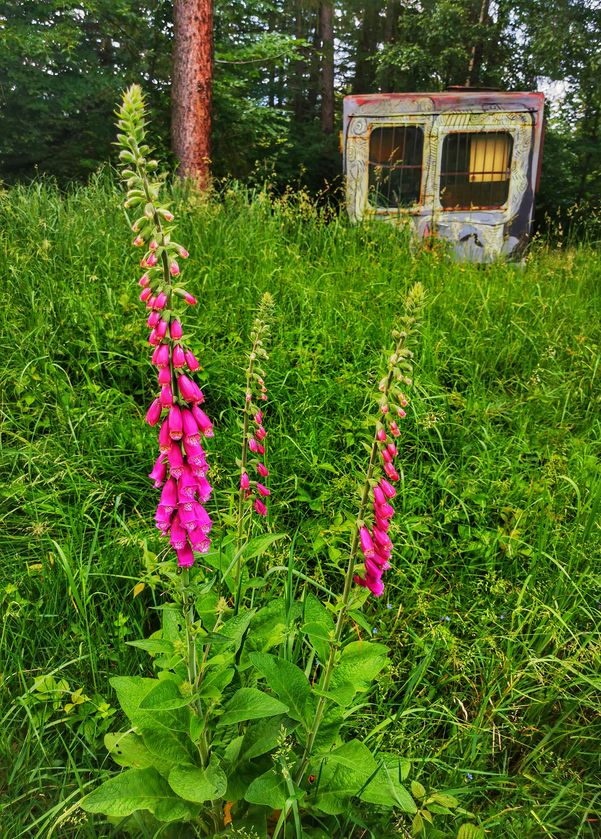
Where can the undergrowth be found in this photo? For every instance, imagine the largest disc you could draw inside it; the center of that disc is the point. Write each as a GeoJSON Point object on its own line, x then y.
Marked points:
{"type": "Point", "coordinates": [493, 604]}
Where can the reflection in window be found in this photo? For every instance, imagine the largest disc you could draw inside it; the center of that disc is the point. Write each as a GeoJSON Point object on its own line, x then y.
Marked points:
{"type": "Point", "coordinates": [395, 166]}
{"type": "Point", "coordinates": [475, 170]}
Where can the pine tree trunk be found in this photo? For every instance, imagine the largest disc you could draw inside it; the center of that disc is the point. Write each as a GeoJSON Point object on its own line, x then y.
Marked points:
{"type": "Point", "coordinates": [326, 25]}
{"type": "Point", "coordinates": [369, 36]}
{"type": "Point", "coordinates": [192, 88]}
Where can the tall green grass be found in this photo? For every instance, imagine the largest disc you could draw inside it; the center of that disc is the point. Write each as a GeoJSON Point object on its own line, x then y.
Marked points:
{"type": "Point", "coordinates": [493, 607]}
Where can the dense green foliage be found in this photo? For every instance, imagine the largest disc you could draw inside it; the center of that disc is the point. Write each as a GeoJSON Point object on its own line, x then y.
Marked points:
{"type": "Point", "coordinates": [492, 609]}
{"type": "Point", "coordinates": [63, 63]}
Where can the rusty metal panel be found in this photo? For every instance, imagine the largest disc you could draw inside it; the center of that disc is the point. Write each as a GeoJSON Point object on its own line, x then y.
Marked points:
{"type": "Point", "coordinates": [460, 165]}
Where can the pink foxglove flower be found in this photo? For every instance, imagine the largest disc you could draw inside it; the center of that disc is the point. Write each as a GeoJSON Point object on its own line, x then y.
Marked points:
{"type": "Point", "coordinates": [190, 299]}
{"type": "Point", "coordinates": [179, 356]}
{"type": "Point", "coordinates": [191, 361]}
{"type": "Point", "coordinates": [180, 470]}
{"type": "Point", "coordinates": [153, 414]}
{"type": "Point", "coordinates": [260, 508]}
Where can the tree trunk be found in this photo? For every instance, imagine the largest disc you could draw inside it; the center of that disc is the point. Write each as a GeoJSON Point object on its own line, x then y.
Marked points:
{"type": "Point", "coordinates": [369, 35]}
{"type": "Point", "coordinates": [393, 11]}
{"type": "Point", "coordinates": [326, 25]}
{"type": "Point", "coordinates": [473, 70]}
{"type": "Point", "coordinates": [192, 88]}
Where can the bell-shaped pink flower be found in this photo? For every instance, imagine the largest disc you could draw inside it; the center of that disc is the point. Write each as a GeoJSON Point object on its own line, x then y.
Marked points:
{"type": "Point", "coordinates": [402, 413]}
{"type": "Point", "coordinates": [253, 445]}
{"type": "Point", "coordinates": [159, 471]}
{"type": "Point", "coordinates": [160, 302]}
{"type": "Point", "coordinates": [174, 268]}
{"type": "Point", "coordinates": [244, 481]}
{"type": "Point", "coordinates": [260, 508]}
{"type": "Point", "coordinates": [381, 435]}
{"type": "Point", "coordinates": [186, 486]}
{"type": "Point", "coordinates": [179, 356]}
{"type": "Point", "coordinates": [150, 261]}
{"type": "Point", "coordinates": [164, 377]}
{"type": "Point", "coordinates": [153, 414]}
{"type": "Point", "coordinates": [366, 542]}
{"type": "Point", "coordinates": [153, 319]}
{"type": "Point", "coordinates": [185, 557]}
{"type": "Point", "coordinates": [153, 338]}
{"type": "Point", "coordinates": [262, 490]}
{"type": "Point", "coordinates": [191, 361]}
{"type": "Point", "coordinates": [259, 417]}
{"type": "Point", "coordinates": [144, 280]}
{"type": "Point", "coordinates": [182, 252]}
{"type": "Point", "coordinates": [260, 433]}
{"type": "Point", "coordinates": [394, 429]}
{"type": "Point", "coordinates": [138, 242]}
{"type": "Point", "coordinates": [161, 328]}
{"type": "Point", "coordinates": [175, 422]}
{"type": "Point", "coordinates": [190, 299]}
{"type": "Point", "coordinates": [169, 495]}
{"type": "Point", "coordinates": [164, 438]}
{"type": "Point", "coordinates": [391, 472]}
{"type": "Point", "coordinates": [189, 389]}
{"type": "Point", "coordinates": [160, 356]}
{"type": "Point", "coordinates": [163, 518]}
{"type": "Point", "coordinates": [177, 534]}
{"type": "Point", "coordinates": [166, 396]}
{"type": "Point", "coordinates": [176, 461]}
{"type": "Point", "coordinates": [204, 423]}
{"type": "Point", "coordinates": [387, 488]}
{"type": "Point", "coordinates": [262, 470]}
{"type": "Point", "coordinates": [204, 489]}
{"type": "Point", "coordinates": [176, 331]}
{"type": "Point", "coordinates": [145, 294]}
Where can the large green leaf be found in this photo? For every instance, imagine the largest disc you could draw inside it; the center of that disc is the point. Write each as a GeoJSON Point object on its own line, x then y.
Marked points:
{"type": "Point", "coordinates": [165, 696]}
{"type": "Point", "coordinates": [262, 737]}
{"type": "Point", "coordinates": [359, 664]}
{"type": "Point", "coordinates": [128, 749]}
{"type": "Point", "coordinates": [131, 690]}
{"type": "Point", "coordinates": [342, 774]}
{"type": "Point", "coordinates": [268, 789]}
{"type": "Point", "coordinates": [138, 789]}
{"type": "Point", "coordinates": [287, 681]}
{"type": "Point", "coordinates": [250, 704]}
{"type": "Point", "coordinates": [199, 785]}
{"type": "Point", "coordinates": [385, 787]}
{"type": "Point", "coordinates": [235, 628]}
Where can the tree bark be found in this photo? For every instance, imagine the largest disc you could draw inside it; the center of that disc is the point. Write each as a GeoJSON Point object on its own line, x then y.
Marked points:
{"type": "Point", "coordinates": [473, 70]}
{"type": "Point", "coordinates": [326, 25]}
{"type": "Point", "coordinates": [369, 35]}
{"type": "Point", "coordinates": [192, 88]}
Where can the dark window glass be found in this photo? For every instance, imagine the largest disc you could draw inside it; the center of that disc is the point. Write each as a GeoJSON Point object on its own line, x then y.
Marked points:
{"type": "Point", "coordinates": [475, 170]}
{"type": "Point", "coordinates": [395, 166]}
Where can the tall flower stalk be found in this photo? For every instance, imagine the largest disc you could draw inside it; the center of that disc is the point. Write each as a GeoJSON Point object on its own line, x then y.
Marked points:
{"type": "Point", "coordinates": [181, 467]}
{"type": "Point", "coordinates": [252, 492]}
{"type": "Point", "coordinates": [374, 543]}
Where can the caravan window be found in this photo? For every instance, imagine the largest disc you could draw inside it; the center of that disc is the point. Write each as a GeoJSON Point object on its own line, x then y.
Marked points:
{"type": "Point", "coordinates": [395, 166]}
{"type": "Point", "coordinates": [475, 170]}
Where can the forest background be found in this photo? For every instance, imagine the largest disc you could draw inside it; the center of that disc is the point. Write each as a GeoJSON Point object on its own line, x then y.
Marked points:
{"type": "Point", "coordinates": [281, 69]}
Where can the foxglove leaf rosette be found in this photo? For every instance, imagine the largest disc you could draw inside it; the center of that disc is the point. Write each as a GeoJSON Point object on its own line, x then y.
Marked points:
{"type": "Point", "coordinates": [181, 468]}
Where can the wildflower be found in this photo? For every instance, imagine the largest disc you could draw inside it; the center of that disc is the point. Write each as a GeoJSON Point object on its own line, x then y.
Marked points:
{"type": "Point", "coordinates": [374, 542]}
{"type": "Point", "coordinates": [181, 467]}
{"type": "Point", "coordinates": [260, 508]}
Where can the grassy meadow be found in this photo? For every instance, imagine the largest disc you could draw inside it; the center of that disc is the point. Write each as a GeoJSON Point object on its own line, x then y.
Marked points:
{"type": "Point", "coordinates": [493, 606]}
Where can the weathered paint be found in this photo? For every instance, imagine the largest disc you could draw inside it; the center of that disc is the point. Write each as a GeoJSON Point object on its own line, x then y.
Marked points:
{"type": "Point", "coordinates": [477, 234]}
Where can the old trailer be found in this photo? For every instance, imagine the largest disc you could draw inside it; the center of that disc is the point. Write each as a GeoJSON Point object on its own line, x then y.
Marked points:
{"type": "Point", "coordinates": [462, 166]}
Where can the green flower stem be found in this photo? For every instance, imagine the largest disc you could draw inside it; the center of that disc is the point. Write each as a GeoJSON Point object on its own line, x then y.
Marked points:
{"type": "Point", "coordinates": [191, 660]}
